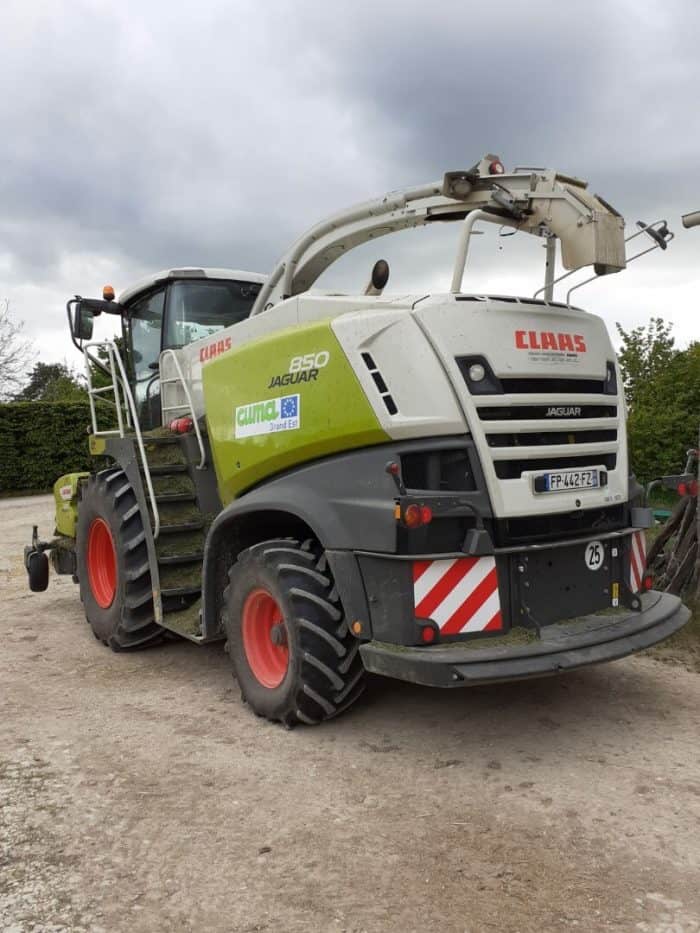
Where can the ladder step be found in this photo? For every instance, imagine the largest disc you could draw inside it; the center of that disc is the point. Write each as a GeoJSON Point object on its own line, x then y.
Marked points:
{"type": "Point", "coordinates": [181, 591]}
{"type": "Point", "coordinates": [161, 440]}
{"type": "Point", "coordinates": [179, 512]}
{"type": "Point", "coordinates": [185, 622]}
{"type": "Point", "coordinates": [175, 497]}
{"type": "Point", "coordinates": [165, 456]}
{"type": "Point", "coordinates": [187, 547]}
{"type": "Point", "coordinates": [164, 469]}
{"type": "Point", "coordinates": [177, 579]}
{"type": "Point", "coordinates": [183, 526]}
{"type": "Point", "coordinates": [177, 483]}
{"type": "Point", "coordinates": [174, 560]}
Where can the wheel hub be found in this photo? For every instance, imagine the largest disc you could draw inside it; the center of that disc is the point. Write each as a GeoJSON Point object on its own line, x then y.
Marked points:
{"type": "Point", "coordinates": [278, 634]}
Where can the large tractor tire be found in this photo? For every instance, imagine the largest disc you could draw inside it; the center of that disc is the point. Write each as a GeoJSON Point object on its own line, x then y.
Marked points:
{"type": "Point", "coordinates": [292, 652]}
{"type": "Point", "coordinates": [113, 571]}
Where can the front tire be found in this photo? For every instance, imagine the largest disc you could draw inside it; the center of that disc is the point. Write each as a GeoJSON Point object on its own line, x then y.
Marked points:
{"type": "Point", "coordinates": [291, 650]}
{"type": "Point", "coordinates": [113, 569]}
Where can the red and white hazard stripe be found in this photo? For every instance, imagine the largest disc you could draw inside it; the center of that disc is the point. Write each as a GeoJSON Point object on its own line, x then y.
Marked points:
{"type": "Point", "coordinates": [638, 559]}
{"type": "Point", "coordinates": [459, 595]}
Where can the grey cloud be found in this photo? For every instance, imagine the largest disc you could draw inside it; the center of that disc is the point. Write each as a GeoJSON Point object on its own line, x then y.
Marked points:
{"type": "Point", "coordinates": [164, 135]}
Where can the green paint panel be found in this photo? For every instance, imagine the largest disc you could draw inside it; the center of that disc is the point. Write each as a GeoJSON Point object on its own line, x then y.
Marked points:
{"type": "Point", "coordinates": [65, 493]}
{"type": "Point", "coordinates": [263, 418]}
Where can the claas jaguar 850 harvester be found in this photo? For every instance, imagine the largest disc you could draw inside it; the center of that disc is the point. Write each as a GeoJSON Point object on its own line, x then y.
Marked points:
{"type": "Point", "coordinates": [432, 487]}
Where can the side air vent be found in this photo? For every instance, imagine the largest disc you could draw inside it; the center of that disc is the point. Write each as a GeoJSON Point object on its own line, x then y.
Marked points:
{"type": "Point", "coordinates": [438, 470]}
{"type": "Point", "coordinates": [379, 382]}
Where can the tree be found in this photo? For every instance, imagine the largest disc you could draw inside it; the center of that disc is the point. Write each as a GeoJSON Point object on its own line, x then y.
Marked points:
{"type": "Point", "coordinates": [664, 417]}
{"type": "Point", "coordinates": [644, 354]}
{"type": "Point", "coordinates": [51, 382]}
{"type": "Point", "coordinates": [15, 352]}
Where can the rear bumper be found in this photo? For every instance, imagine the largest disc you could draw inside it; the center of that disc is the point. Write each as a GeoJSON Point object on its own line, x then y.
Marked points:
{"type": "Point", "coordinates": [562, 647]}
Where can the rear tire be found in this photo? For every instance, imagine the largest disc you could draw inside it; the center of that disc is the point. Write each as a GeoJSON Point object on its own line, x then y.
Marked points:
{"type": "Point", "coordinates": [113, 569]}
{"type": "Point", "coordinates": [291, 650]}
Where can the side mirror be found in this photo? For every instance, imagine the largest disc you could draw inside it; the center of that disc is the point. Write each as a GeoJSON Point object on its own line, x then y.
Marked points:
{"type": "Point", "coordinates": [83, 321]}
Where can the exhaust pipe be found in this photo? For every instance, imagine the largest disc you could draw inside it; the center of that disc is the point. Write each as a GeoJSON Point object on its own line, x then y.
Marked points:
{"type": "Point", "coordinates": [692, 219]}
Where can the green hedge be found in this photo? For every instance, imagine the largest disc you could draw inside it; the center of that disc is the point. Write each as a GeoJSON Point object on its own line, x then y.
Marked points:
{"type": "Point", "coordinates": [40, 441]}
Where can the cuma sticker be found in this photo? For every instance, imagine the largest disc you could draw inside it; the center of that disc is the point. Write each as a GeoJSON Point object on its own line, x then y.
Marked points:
{"type": "Point", "coordinates": [268, 417]}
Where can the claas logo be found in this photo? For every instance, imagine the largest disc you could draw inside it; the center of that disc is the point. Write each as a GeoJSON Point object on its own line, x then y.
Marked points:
{"type": "Point", "coordinates": [549, 340]}
{"type": "Point", "coordinates": [214, 349]}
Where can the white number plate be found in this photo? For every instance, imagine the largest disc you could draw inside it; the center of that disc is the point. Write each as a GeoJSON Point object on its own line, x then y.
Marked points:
{"type": "Point", "coordinates": [566, 480]}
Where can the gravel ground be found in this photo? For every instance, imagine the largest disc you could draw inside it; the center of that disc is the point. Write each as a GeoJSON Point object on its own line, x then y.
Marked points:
{"type": "Point", "coordinates": [137, 792]}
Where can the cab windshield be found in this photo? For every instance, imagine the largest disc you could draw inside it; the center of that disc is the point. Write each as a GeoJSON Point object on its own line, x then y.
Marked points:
{"type": "Point", "coordinates": [201, 308]}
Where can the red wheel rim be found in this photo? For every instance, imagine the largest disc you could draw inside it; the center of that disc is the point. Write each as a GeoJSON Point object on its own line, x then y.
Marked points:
{"type": "Point", "coordinates": [102, 563]}
{"type": "Point", "coordinates": [265, 638]}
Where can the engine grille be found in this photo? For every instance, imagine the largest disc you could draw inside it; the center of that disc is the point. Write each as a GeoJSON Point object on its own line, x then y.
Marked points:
{"type": "Point", "coordinates": [549, 424]}
{"type": "Point", "coordinates": [514, 531]}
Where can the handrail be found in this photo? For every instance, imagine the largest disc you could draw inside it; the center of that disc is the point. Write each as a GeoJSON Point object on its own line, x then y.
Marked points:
{"type": "Point", "coordinates": [131, 414]}
{"type": "Point", "coordinates": [180, 376]}
{"type": "Point", "coordinates": [464, 240]}
{"type": "Point", "coordinates": [112, 387]}
{"type": "Point", "coordinates": [663, 235]}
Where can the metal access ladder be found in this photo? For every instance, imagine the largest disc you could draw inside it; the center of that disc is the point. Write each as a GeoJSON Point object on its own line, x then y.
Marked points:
{"type": "Point", "coordinates": [122, 400]}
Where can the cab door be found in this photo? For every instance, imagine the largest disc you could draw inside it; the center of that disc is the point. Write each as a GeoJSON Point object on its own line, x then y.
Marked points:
{"type": "Point", "coordinates": [145, 337]}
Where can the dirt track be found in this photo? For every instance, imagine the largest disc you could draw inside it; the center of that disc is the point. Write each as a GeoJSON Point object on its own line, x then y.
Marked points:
{"type": "Point", "coordinates": [137, 793]}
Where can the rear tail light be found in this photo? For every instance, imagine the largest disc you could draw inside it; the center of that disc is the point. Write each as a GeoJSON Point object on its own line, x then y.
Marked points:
{"type": "Point", "coordinates": [415, 515]}
{"type": "Point", "coordinates": [647, 582]}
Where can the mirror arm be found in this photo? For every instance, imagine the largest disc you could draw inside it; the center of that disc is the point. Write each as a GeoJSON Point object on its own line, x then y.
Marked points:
{"type": "Point", "coordinates": [99, 306]}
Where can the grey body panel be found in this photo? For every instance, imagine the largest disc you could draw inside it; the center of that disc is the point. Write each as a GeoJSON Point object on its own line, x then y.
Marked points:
{"type": "Point", "coordinates": [346, 502]}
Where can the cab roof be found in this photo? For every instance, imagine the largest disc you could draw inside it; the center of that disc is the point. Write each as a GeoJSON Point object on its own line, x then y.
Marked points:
{"type": "Point", "coordinates": [188, 272]}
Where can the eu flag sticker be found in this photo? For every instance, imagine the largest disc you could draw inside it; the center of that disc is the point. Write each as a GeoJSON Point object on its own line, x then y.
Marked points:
{"type": "Point", "coordinates": [290, 406]}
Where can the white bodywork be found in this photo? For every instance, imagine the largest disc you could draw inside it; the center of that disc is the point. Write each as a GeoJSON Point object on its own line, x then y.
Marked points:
{"type": "Point", "coordinates": [414, 339]}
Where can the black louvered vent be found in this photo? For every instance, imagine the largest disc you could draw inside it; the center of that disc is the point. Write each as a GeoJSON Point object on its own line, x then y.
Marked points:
{"type": "Point", "coordinates": [381, 385]}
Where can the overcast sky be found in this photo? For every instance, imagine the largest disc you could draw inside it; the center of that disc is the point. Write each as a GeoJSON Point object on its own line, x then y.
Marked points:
{"type": "Point", "coordinates": [143, 135]}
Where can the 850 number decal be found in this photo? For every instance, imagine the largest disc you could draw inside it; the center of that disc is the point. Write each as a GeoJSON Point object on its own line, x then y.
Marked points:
{"type": "Point", "coordinates": [302, 369]}
{"type": "Point", "coordinates": [309, 361]}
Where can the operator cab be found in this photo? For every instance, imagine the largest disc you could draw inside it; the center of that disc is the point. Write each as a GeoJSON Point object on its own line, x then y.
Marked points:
{"type": "Point", "coordinates": [169, 310]}
{"type": "Point", "coordinates": [172, 309]}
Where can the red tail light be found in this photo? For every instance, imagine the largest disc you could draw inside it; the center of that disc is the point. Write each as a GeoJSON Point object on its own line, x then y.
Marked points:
{"type": "Point", "coordinates": [412, 517]}
{"type": "Point", "coordinates": [415, 515]}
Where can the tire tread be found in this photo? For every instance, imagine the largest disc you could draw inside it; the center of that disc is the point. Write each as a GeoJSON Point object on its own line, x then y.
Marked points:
{"type": "Point", "coordinates": [331, 676]}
